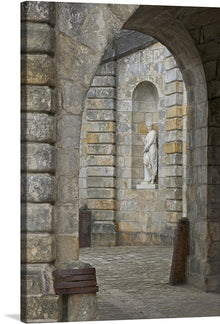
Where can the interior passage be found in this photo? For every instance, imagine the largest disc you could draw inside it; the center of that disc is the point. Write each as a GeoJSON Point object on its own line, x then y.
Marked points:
{"type": "Point", "coordinates": [133, 284]}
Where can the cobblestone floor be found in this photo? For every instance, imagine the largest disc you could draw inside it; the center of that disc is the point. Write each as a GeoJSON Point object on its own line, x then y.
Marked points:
{"type": "Point", "coordinates": [133, 284]}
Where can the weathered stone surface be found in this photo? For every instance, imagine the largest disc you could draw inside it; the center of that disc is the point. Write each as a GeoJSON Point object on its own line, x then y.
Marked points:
{"type": "Point", "coordinates": [174, 205]}
{"type": "Point", "coordinates": [173, 75]}
{"type": "Point", "coordinates": [107, 69]}
{"type": "Point", "coordinates": [93, 138]}
{"type": "Point", "coordinates": [174, 87]}
{"type": "Point", "coordinates": [122, 12]}
{"type": "Point", "coordinates": [173, 182]}
{"type": "Point", "coordinates": [173, 193]}
{"type": "Point", "coordinates": [103, 171]}
{"type": "Point", "coordinates": [83, 307]}
{"type": "Point", "coordinates": [173, 112]}
{"type": "Point", "coordinates": [37, 70]}
{"type": "Point", "coordinates": [67, 247]}
{"type": "Point", "coordinates": [99, 92]}
{"type": "Point", "coordinates": [99, 103]}
{"type": "Point", "coordinates": [36, 279]}
{"type": "Point", "coordinates": [41, 308]}
{"type": "Point", "coordinates": [67, 220]}
{"type": "Point", "coordinates": [103, 215]}
{"type": "Point", "coordinates": [37, 157]}
{"type": "Point", "coordinates": [67, 189]}
{"type": "Point", "coordinates": [101, 182]}
{"type": "Point", "coordinates": [100, 193]}
{"type": "Point", "coordinates": [175, 99]}
{"type": "Point", "coordinates": [101, 149]}
{"type": "Point", "coordinates": [104, 160]}
{"type": "Point", "coordinates": [37, 127]}
{"type": "Point", "coordinates": [103, 227]}
{"type": "Point", "coordinates": [171, 148]}
{"type": "Point", "coordinates": [99, 115]}
{"type": "Point", "coordinates": [37, 99]}
{"type": "Point", "coordinates": [170, 63]}
{"type": "Point", "coordinates": [172, 217]}
{"type": "Point", "coordinates": [38, 11]}
{"type": "Point", "coordinates": [37, 217]}
{"type": "Point", "coordinates": [174, 171]}
{"type": "Point", "coordinates": [103, 81]}
{"type": "Point", "coordinates": [37, 248]}
{"type": "Point", "coordinates": [69, 128]}
{"type": "Point", "coordinates": [72, 97]}
{"type": "Point", "coordinates": [37, 38]}
{"type": "Point", "coordinates": [37, 188]}
{"type": "Point", "coordinates": [67, 161]}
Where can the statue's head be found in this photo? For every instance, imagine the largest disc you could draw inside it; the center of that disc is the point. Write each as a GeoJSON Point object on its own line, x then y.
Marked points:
{"type": "Point", "coordinates": [149, 126]}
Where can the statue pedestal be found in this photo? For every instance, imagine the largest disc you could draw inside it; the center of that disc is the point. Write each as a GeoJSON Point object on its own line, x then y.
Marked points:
{"type": "Point", "coordinates": [146, 185]}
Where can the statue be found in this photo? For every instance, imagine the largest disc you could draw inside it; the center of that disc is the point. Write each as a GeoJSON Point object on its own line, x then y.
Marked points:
{"type": "Point", "coordinates": [150, 155]}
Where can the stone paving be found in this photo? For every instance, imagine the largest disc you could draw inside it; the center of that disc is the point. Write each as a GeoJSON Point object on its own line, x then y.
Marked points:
{"type": "Point", "coordinates": [133, 284]}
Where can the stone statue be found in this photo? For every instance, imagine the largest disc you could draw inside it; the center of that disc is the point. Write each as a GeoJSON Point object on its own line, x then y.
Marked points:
{"type": "Point", "coordinates": [150, 155]}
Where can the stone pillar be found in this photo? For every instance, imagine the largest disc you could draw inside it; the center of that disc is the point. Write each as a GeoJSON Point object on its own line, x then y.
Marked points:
{"type": "Point", "coordinates": [100, 106]}
{"type": "Point", "coordinates": [38, 126]}
{"type": "Point", "coordinates": [173, 140]}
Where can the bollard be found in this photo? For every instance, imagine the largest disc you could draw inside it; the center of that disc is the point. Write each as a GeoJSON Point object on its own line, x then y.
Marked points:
{"type": "Point", "coordinates": [180, 251]}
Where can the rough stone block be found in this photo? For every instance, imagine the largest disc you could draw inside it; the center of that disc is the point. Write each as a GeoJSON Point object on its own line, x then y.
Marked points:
{"type": "Point", "coordinates": [101, 204]}
{"type": "Point", "coordinates": [175, 99]}
{"type": "Point", "coordinates": [100, 115]}
{"type": "Point", "coordinates": [173, 194]}
{"type": "Point", "coordinates": [172, 217]}
{"type": "Point", "coordinates": [174, 171]}
{"type": "Point", "coordinates": [38, 11]}
{"type": "Point", "coordinates": [37, 188]}
{"type": "Point", "coordinates": [102, 160]}
{"type": "Point", "coordinates": [101, 193]}
{"type": "Point", "coordinates": [173, 75]}
{"type": "Point", "coordinates": [36, 279]}
{"type": "Point", "coordinates": [67, 220]}
{"type": "Point", "coordinates": [67, 161]}
{"type": "Point", "coordinates": [173, 182]}
{"type": "Point", "coordinates": [174, 205]}
{"type": "Point", "coordinates": [103, 81]}
{"type": "Point", "coordinates": [99, 104]}
{"type": "Point", "coordinates": [103, 215]}
{"type": "Point", "coordinates": [173, 136]}
{"type": "Point", "coordinates": [72, 96]}
{"type": "Point", "coordinates": [41, 308]}
{"type": "Point", "coordinates": [173, 87]}
{"type": "Point", "coordinates": [37, 70]}
{"type": "Point", "coordinates": [108, 93]}
{"type": "Point", "coordinates": [171, 148]}
{"type": "Point", "coordinates": [100, 126]}
{"type": "Point", "coordinates": [37, 217]}
{"type": "Point", "coordinates": [122, 13]}
{"type": "Point", "coordinates": [101, 149]}
{"type": "Point", "coordinates": [103, 227]}
{"type": "Point", "coordinates": [83, 307]}
{"type": "Point", "coordinates": [124, 105]}
{"type": "Point", "coordinates": [67, 249]}
{"type": "Point", "coordinates": [37, 248]}
{"type": "Point", "coordinates": [37, 99]}
{"type": "Point", "coordinates": [93, 138]}
{"type": "Point", "coordinates": [101, 171]}
{"type": "Point", "coordinates": [69, 129]}
{"type": "Point", "coordinates": [173, 159]}
{"type": "Point", "coordinates": [107, 69]}
{"type": "Point", "coordinates": [170, 63]}
{"type": "Point", "coordinates": [37, 38]}
{"type": "Point", "coordinates": [173, 112]}
{"type": "Point", "coordinates": [37, 127]}
{"type": "Point", "coordinates": [37, 157]}
{"type": "Point", "coordinates": [67, 189]}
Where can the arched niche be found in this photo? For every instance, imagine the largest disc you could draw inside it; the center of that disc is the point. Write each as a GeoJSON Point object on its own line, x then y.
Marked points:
{"type": "Point", "coordinates": [144, 109]}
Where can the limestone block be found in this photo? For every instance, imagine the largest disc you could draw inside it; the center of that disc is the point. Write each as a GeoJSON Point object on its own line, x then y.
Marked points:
{"type": "Point", "coordinates": [101, 193]}
{"type": "Point", "coordinates": [124, 105]}
{"type": "Point", "coordinates": [37, 187]}
{"type": "Point", "coordinates": [173, 112]}
{"type": "Point", "coordinates": [69, 128]}
{"type": "Point", "coordinates": [101, 171]}
{"type": "Point", "coordinates": [101, 204]}
{"type": "Point", "coordinates": [83, 307]}
{"type": "Point", "coordinates": [37, 99]}
{"type": "Point", "coordinates": [37, 248]}
{"type": "Point", "coordinates": [107, 69]}
{"type": "Point", "coordinates": [173, 87]}
{"type": "Point", "coordinates": [174, 171]}
{"type": "Point", "coordinates": [67, 189]}
{"type": "Point", "coordinates": [72, 96]}
{"type": "Point", "coordinates": [172, 217]}
{"type": "Point", "coordinates": [174, 123]}
{"type": "Point", "coordinates": [174, 205]}
{"type": "Point", "coordinates": [99, 115]}
{"type": "Point", "coordinates": [37, 70]}
{"type": "Point", "coordinates": [37, 38]}
{"type": "Point", "coordinates": [37, 217]}
{"type": "Point", "coordinates": [173, 136]}
{"type": "Point", "coordinates": [37, 127]}
{"type": "Point", "coordinates": [41, 308]}
{"type": "Point", "coordinates": [36, 279]}
{"type": "Point", "coordinates": [107, 93]}
{"type": "Point", "coordinates": [99, 104]}
{"type": "Point", "coordinates": [38, 11]}
{"type": "Point", "coordinates": [122, 13]}
{"type": "Point", "coordinates": [67, 249]}
{"type": "Point", "coordinates": [104, 160]}
{"type": "Point", "coordinates": [171, 148]}
{"type": "Point", "coordinates": [173, 193]}
{"type": "Point", "coordinates": [173, 75]}
{"type": "Point", "coordinates": [93, 138]}
{"type": "Point", "coordinates": [101, 182]}
{"type": "Point", "coordinates": [67, 161]}
{"type": "Point", "coordinates": [103, 81]}
{"type": "Point", "coordinates": [37, 157]}
{"type": "Point", "coordinates": [67, 220]}
{"type": "Point", "coordinates": [100, 126]}
{"type": "Point", "coordinates": [173, 182]}
{"type": "Point", "coordinates": [101, 149]}
{"type": "Point", "coordinates": [103, 227]}
{"type": "Point", "coordinates": [170, 63]}
{"type": "Point", "coordinates": [102, 215]}
{"type": "Point", "coordinates": [174, 99]}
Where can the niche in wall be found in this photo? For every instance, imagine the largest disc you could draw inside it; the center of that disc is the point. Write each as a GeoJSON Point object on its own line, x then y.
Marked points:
{"type": "Point", "coordinates": [144, 109]}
